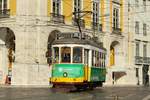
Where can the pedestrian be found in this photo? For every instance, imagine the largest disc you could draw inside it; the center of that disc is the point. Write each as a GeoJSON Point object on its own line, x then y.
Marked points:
{"type": "Point", "coordinates": [147, 80]}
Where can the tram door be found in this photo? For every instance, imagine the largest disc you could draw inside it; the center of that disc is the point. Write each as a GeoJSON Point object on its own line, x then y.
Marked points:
{"type": "Point", "coordinates": [86, 62]}
{"type": "Point", "coordinates": [145, 75]}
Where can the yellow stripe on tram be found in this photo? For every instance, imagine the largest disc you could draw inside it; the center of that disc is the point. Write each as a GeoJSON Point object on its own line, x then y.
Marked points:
{"type": "Point", "coordinates": [62, 79]}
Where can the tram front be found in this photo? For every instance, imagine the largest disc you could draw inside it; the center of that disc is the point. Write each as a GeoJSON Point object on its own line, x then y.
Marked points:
{"type": "Point", "coordinates": [67, 65]}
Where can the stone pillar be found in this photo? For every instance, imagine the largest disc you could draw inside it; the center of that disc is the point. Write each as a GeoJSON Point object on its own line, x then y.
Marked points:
{"type": "Point", "coordinates": [3, 62]}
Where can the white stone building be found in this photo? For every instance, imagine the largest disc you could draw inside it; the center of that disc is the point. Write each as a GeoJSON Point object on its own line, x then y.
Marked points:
{"type": "Point", "coordinates": [27, 27]}
{"type": "Point", "coordinates": [139, 39]}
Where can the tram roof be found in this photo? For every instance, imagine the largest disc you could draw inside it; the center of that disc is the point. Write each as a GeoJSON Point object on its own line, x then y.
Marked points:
{"type": "Point", "coordinates": [69, 38]}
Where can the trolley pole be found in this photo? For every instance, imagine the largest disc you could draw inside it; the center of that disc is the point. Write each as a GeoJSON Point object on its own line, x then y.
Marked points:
{"type": "Point", "coordinates": [78, 24]}
{"type": "Point", "coordinates": [78, 20]}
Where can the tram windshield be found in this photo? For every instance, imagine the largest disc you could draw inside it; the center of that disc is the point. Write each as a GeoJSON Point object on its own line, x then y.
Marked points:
{"type": "Point", "coordinates": [65, 54]}
{"type": "Point", "coordinates": [77, 55]}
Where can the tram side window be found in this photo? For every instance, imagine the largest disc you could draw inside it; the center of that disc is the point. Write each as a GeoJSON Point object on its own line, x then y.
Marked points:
{"type": "Point", "coordinates": [77, 55]}
{"type": "Point", "coordinates": [97, 59]}
{"type": "Point", "coordinates": [94, 58]}
{"type": "Point", "coordinates": [56, 54]}
{"type": "Point", "coordinates": [103, 59]}
{"type": "Point", "coordinates": [65, 54]}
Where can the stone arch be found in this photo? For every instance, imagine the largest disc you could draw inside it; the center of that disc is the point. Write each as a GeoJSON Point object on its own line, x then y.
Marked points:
{"type": "Point", "coordinates": [51, 38]}
{"type": "Point", "coordinates": [8, 37]}
{"type": "Point", "coordinates": [114, 43]}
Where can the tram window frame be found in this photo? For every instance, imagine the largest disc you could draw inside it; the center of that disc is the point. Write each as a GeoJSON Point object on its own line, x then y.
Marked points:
{"type": "Point", "coordinates": [99, 59]}
{"type": "Point", "coordinates": [102, 60]}
{"type": "Point", "coordinates": [104, 56]}
{"type": "Point", "coordinates": [56, 57]}
{"type": "Point", "coordinates": [93, 58]}
{"type": "Point", "coordinates": [100, 54]}
{"type": "Point", "coordinates": [65, 54]}
{"type": "Point", "coordinates": [86, 56]}
{"type": "Point", "coordinates": [77, 56]}
{"type": "Point", "coordinates": [104, 64]}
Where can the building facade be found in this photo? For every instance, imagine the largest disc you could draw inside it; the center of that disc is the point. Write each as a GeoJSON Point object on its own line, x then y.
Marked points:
{"type": "Point", "coordinates": [27, 30]}
{"type": "Point", "coordinates": [139, 39]}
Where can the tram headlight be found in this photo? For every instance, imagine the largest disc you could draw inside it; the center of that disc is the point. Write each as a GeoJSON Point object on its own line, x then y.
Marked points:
{"type": "Point", "coordinates": [65, 74]}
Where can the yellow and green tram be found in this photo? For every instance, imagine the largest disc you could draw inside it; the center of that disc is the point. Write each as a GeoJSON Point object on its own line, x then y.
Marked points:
{"type": "Point", "coordinates": [77, 62]}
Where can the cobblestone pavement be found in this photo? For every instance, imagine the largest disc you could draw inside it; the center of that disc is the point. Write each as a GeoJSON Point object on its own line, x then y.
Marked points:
{"type": "Point", "coordinates": [104, 93]}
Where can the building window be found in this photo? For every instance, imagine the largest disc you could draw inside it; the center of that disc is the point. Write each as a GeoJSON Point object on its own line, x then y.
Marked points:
{"type": "Point", "coordinates": [95, 17]}
{"type": "Point", "coordinates": [4, 11]}
{"type": "Point", "coordinates": [115, 18]}
{"type": "Point", "coordinates": [137, 3]}
{"type": "Point", "coordinates": [144, 29]}
{"type": "Point", "coordinates": [137, 27]}
{"type": "Point", "coordinates": [56, 6]}
{"type": "Point", "coordinates": [137, 48]}
{"type": "Point", "coordinates": [77, 18]}
{"type": "Point", "coordinates": [144, 50]}
{"type": "Point", "coordinates": [77, 8]}
{"type": "Point", "coordinates": [3, 4]}
{"type": "Point", "coordinates": [144, 5]}
{"type": "Point", "coordinates": [95, 12]}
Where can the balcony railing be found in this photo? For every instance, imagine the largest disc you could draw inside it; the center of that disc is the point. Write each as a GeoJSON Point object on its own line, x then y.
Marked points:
{"type": "Point", "coordinates": [81, 22]}
{"type": "Point", "coordinates": [116, 31]}
{"type": "Point", "coordinates": [138, 60]}
{"type": "Point", "coordinates": [96, 26]}
{"type": "Point", "coordinates": [146, 60]}
{"type": "Point", "coordinates": [5, 13]}
{"type": "Point", "coordinates": [142, 60]}
{"type": "Point", "coordinates": [57, 18]}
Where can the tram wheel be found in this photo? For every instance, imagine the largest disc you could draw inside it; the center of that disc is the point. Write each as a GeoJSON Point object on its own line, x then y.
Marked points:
{"type": "Point", "coordinates": [53, 86]}
{"type": "Point", "coordinates": [91, 87]}
{"type": "Point", "coordinates": [80, 87]}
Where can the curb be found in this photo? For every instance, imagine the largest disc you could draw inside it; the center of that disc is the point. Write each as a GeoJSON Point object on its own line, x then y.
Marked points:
{"type": "Point", "coordinates": [25, 86]}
